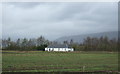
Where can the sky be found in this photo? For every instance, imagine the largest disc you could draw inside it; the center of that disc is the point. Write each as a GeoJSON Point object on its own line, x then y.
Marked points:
{"type": "Point", "coordinates": [53, 20]}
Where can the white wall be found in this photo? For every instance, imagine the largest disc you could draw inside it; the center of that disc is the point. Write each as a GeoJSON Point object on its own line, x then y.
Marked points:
{"type": "Point", "coordinates": [59, 49]}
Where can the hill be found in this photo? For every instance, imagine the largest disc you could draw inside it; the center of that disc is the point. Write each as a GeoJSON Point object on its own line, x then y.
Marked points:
{"type": "Point", "coordinates": [80, 38]}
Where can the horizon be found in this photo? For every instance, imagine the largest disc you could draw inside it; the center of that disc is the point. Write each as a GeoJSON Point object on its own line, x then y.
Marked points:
{"type": "Point", "coordinates": [59, 37]}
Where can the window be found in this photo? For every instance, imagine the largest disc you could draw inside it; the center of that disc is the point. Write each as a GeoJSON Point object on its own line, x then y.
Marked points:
{"type": "Point", "coordinates": [49, 49]}
{"type": "Point", "coordinates": [58, 49]}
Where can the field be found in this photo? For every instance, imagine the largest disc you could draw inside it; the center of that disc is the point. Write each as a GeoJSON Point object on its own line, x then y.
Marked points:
{"type": "Point", "coordinates": [40, 61]}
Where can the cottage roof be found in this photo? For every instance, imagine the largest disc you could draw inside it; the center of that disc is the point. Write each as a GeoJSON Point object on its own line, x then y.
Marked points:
{"type": "Point", "coordinates": [58, 46]}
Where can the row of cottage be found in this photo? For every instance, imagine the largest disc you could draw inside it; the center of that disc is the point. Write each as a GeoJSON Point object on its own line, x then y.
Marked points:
{"type": "Point", "coordinates": [59, 47]}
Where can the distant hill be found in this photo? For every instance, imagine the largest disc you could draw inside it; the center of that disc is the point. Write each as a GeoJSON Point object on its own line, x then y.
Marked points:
{"type": "Point", "coordinates": [80, 38]}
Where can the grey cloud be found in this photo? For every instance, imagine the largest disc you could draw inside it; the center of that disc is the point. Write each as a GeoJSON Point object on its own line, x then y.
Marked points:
{"type": "Point", "coordinates": [0, 21]}
{"type": "Point", "coordinates": [54, 20]}
{"type": "Point", "coordinates": [23, 4]}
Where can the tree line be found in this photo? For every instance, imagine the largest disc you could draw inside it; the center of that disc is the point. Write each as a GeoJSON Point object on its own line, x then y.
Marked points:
{"type": "Point", "coordinates": [88, 44]}
{"type": "Point", "coordinates": [97, 44]}
{"type": "Point", "coordinates": [25, 44]}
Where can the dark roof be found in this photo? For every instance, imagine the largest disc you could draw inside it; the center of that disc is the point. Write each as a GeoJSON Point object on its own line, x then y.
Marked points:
{"type": "Point", "coordinates": [58, 46]}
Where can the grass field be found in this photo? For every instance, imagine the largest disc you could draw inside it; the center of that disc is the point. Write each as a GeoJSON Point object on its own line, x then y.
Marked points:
{"type": "Point", "coordinates": [38, 61]}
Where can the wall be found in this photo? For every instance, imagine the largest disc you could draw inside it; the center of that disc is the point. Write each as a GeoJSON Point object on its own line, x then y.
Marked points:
{"type": "Point", "coordinates": [59, 49]}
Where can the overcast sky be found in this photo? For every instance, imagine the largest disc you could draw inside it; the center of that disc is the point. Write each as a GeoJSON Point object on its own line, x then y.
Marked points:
{"type": "Point", "coordinates": [54, 20]}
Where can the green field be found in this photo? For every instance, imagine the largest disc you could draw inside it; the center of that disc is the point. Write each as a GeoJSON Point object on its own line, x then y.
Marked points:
{"type": "Point", "coordinates": [38, 61]}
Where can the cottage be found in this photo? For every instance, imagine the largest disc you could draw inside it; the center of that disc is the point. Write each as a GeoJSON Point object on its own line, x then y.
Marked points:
{"type": "Point", "coordinates": [58, 47]}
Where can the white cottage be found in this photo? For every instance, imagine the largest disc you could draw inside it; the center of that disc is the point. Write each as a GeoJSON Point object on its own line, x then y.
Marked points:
{"type": "Point", "coordinates": [58, 47]}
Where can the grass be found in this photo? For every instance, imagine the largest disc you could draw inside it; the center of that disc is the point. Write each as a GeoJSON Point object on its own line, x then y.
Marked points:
{"type": "Point", "coordinates": [38, 61]}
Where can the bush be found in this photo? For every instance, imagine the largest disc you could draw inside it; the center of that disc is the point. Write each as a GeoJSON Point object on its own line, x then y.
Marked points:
{"type": "Point", "coordinates": [42, 47]}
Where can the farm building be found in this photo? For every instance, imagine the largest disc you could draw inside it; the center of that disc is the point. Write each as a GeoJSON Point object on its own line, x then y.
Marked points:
{"type": "Point", "coordinates": [58, 47]}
